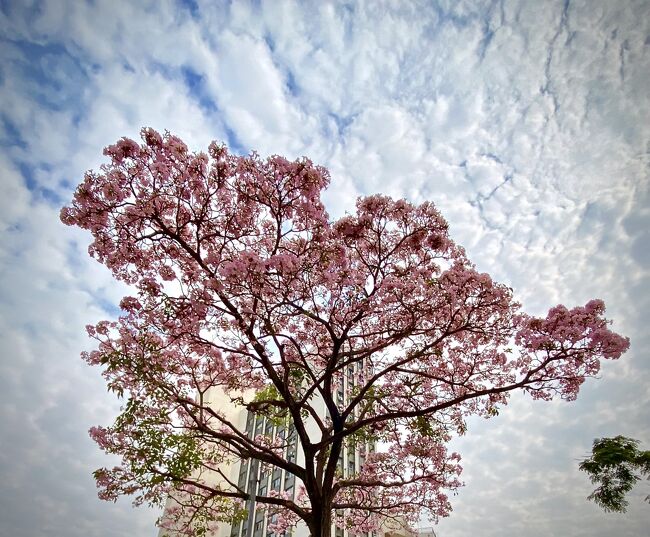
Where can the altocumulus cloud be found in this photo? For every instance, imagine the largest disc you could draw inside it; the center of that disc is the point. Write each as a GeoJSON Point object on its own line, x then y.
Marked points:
{"type": "Point", "coordinates": [527, 123]}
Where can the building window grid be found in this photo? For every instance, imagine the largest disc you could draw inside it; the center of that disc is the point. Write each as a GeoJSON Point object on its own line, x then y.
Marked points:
{"type": "Point", "coordinates": [234, 529]}
{"type": "Point", "coordinates": [268, 429]}
{"type": "Point", "coordinates": [243, 474]}
{"type": "Point", "coordinates": [291, 451]}
{"type": "Point", "coordinates": [250, 418]}
{"type": "Point", "coordinates": [351, 470]}
{"type": "Point", "coordinates": [259, 424]}
{"type": "Point", "coordinates": [289, 480]}
{"type": "Point", "coordinates": [253, 479]}
{"type": "Point", "coordinates": [263, 490]}
{"type": "Point", "coordinates": [275, 483]}
{"type": "Point", "coordinates": [259, 427]}
{"type": "Point", "coordinates": [258, 527]}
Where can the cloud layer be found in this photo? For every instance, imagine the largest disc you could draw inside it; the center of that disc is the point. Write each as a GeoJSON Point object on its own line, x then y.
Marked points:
{"type": "Point", "coordinates": [527, 123]}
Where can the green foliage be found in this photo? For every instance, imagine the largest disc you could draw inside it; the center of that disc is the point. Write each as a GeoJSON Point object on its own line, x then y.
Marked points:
{"type": "Point", "coordinates": [422, 425]}
{"type": "Point", "coordinates": [223, 510]}
{"type": "Point", "coordinates": [297, 376]}
{"type": "Point", "coordinates": [616, 464]}
{"type": "Point", "coordinates": [362, 437]}
{"type": "Point", "coordinates": [266, 403]}
{"type": "Point", "coordinates": [268, 393]}
{"type": "Point", "coordinates": [176, 454]}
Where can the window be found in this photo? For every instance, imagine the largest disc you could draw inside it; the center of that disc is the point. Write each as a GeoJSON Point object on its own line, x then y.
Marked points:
{"type": "Point", "coordinates": [350, 468]}
{"type": "Point", "coordinates": [289, 480]}
{"type": "Point", "coordinates": [243, 470]}
{"type": "Point", "coordinates": [257, 528]}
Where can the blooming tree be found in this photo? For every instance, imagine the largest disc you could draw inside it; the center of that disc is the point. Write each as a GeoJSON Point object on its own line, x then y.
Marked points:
{"type": "Point", "coordinates": [245, 286]}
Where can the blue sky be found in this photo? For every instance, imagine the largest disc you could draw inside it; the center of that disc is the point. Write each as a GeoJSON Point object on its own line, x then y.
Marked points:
{"type": "Point", "coordinates": [527, 123]}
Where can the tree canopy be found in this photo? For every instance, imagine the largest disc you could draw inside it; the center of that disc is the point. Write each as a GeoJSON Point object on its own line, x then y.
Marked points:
{"type": "Point", "coordinates": [615, 465]}
{"type": "Point", "coordinates": [373, 328]}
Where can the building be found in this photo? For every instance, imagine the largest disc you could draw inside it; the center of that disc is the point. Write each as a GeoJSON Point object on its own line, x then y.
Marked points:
{"type": "Point", "coordinates": [256, 480]}
{"type": "Point", "coordinates": [427, 532]}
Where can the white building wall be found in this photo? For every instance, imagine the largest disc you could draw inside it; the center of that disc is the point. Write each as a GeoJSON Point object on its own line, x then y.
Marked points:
{"type": "Point", "coordinates": [248, 474]}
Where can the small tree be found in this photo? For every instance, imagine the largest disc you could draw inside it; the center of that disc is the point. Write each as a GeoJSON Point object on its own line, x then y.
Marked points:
{"type": "Point", "coordinates": [245, 286]}
{"type": "Point", "coordinates": [615, 465]}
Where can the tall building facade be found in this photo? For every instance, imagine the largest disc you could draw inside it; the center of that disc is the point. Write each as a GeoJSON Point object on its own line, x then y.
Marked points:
{"type": "Point", "coordinates": [258, 480]}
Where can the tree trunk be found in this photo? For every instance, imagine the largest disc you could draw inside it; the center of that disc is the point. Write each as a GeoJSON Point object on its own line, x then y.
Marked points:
{"type": "Point", "coordinates": [321, 525]}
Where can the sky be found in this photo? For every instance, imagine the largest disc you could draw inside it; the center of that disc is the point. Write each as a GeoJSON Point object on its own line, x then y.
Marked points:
{"type": "Point", "coordinates": [527, 123]}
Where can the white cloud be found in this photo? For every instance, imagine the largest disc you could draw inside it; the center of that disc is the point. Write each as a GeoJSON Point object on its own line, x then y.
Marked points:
{"type": "Point", "coordinates": [526, 124]}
